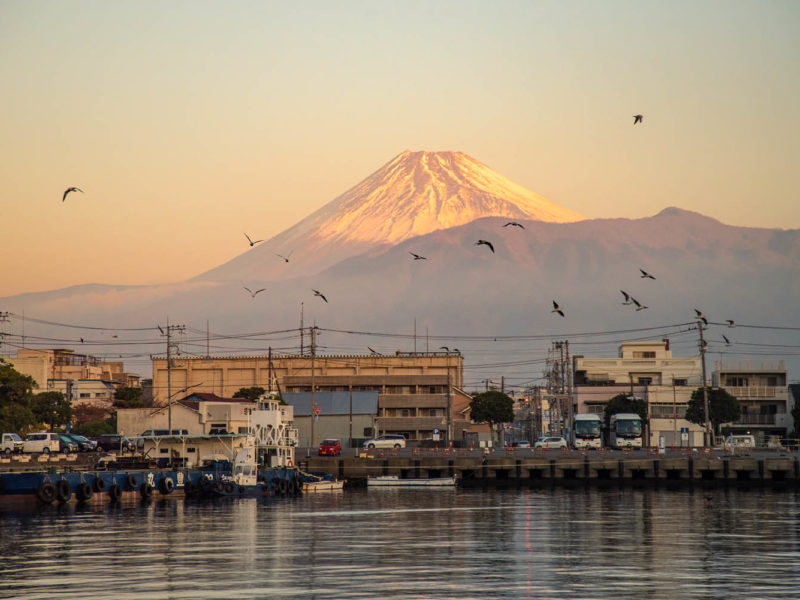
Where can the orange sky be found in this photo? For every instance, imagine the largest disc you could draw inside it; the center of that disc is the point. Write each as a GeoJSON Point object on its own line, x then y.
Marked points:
{"type": "Point", "coordinates": [188, 123]}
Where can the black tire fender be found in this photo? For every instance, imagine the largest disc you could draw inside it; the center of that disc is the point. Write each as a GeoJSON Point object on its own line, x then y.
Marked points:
{"type": "Point", "coordinates": [166, 485]}
{"type": "Point", "coordinates": [114, 492]}
{"type": "Point", "coordinates": [63, 490]}
{"type": "Point", "coordinates": [46, 492]}
{"type": "Point", "coordinates": [83, 491]}
{"type": "Point", "coordinates": [145, 490]}
{"type": "Point", "coordinates": [130, 482]}
{"type": "Point", "coordinates": [99, 484]}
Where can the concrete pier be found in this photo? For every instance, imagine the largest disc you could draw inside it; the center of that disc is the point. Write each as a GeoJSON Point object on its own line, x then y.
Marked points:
{"type": "Point", "coordinates": [532, 470]}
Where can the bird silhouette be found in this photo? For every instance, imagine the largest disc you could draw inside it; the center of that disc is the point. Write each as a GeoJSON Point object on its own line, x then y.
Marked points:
{"type": "Point", "coordinates": [372, 350]}
{"type": "Point", "coordinates": [252, 243]}
{"type": "Point", "coordinates": [645, 274]}
{"type": "Point", "coordinates": [637, 119]}
{"type": "Point", "coordinates": [699, 316]}
{"type": "Point", "coordinates": [418, 256]}
{"type": "Point", "coordinates": [727, 341]}
{"type": "Point", "coordinates": [514, 224]}
{"type": "Point", "coordinates": [81, 340]}
{"type": "Point", "coordinates": [730, 323]}
{"type": "Point", "coordinates": [557, 308]}
{"type": "Point", "coordinates": [68, 190]}
{"type": "Point", "coordinates": [627, 298]}
{"type": "Point", "coordinates": [320, 294]}
{"type": "Point", "coordinates": [445, 348]}
{"type": "Point", "coordinates": [252, 293]}
{"type": "Point", "coordinates": [484, 243]}
{"type": "Point", "coordinates": [285, 258]}
{"type": "Point", "coordinates": [161, 330]}
{"type": "Point", "coordinates": [456, 350]}
{"type": "Point", "coordinates": [639, 305]}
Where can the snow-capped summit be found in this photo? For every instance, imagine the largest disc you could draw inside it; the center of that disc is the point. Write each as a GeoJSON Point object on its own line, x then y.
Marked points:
{"type": "Point", "coordinates": [415, 193]}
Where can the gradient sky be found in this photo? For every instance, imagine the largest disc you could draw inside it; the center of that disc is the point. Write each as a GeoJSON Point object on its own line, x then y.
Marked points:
{"type": "Point", "coordinates": [187, 123]}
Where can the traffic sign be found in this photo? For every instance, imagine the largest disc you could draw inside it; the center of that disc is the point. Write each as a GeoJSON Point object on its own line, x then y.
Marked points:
{"type": "Point", "coordinates": [316, 411]}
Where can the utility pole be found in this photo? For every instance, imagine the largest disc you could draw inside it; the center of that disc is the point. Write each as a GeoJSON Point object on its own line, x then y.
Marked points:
{"type": "Point", "coordinates": [708, 437]}
{"type": "Point", "coordinates": [3, 319]}
{"type": "Point", "coordinates": [301, 329]}
{"type": "Point", "coordinates": [449, 406]}
{"type": "Point", "coordinates": [313, 404]}
{"type": "Point", "coordinates": [269, 371]}
{"type": "Point", "coordinates": [168, 333]}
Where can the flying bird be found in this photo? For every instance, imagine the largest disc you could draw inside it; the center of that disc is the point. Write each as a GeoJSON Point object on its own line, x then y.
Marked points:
{"type": "Point", "coordinates": [514, 224]}
{"type": "Point", "coordinates": [252, 243]}
{"type": "Point", "coordinates": [285, 258]}
{"type": "Point", "coordinates": [557, 308]}
{"type": "Point", "coordinates": [627, 298]}
{"type": "Point", "coordinates": [68, 190]}
{"type": "Point", "coordinates": [730, 323]}
{"type": "Point", "coordinates": [372, 350]}
{"type": "Point", "coordinates": [727, 341]}
{"type": "Point", "coordinates": [418, 256]}
{"type": "Point", "coordinates": [639, 306]}
{"type": "Point", "coordinates": [637, 119]}
{"type": "Point", "coordinates": [645, 274]}
{"type": "Point", "coordinates": [252, 293]}
{"type": "Point", "coordinates": [484, 243]}
{"type": "Point", "coordinates": [320, 294]}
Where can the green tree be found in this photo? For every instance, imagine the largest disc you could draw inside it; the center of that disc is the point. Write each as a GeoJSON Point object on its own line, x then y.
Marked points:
{"type": "Point", "coordinates": [16, 392]}
{"type": "Point", "coordinates": [52, 408]}
{"type": "Point", "coordinates": [492, 408]}
{"type": "Point", "coordinates": [624, 403]}
{"type": "Point", "coordinates": [251, 393]}
{"type": "Point", "coordinates": [723, 407]}
{"type": "Point", "coordinates": [128, 397]}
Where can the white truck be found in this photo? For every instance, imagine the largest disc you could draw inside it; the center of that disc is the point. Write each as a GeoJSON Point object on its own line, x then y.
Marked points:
{"type": "Point", "coordinates": [11, 442]}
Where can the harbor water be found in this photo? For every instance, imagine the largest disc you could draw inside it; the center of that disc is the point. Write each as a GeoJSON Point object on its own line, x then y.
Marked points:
{"type": "Point", "coordinates": [412, 543]}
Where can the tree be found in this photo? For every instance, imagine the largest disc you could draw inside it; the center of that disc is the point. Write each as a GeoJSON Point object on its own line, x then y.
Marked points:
{"type": "Point", "coordinates": [723, 407]}
{"type": "Point", "coordinates": [128, 397]}
{"type": "Point", "coordinates": [624, 403]}
{"type": "Point", "coordinates": [492, 408]}
{"type": "Point", "coordinates": [16, 392]}
{"type": "Point", "coordinates": [251, 393]}
{"type": "Point", "coordinates": [52, 408]}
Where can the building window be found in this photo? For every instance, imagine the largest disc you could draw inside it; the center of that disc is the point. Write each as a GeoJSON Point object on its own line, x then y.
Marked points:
{"type": "Point", "coordinates": [645, 381]}
{"type": "Point", "coordinates": [84, 395]}
{"type": "Point", "coordinates": [680, 382]}
{"type": "Point", "coordinates": [734, 381]}
{"type": "Point", "coordinates": [647, 354]}
{"type": "Point", "coordinates": [407, 412]}
{"type": "Point", "coordinates": [244, 430]}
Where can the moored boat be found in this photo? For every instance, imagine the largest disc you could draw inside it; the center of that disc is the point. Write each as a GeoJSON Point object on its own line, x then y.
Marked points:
{"type": "Point", "coordinates": [395, 481]}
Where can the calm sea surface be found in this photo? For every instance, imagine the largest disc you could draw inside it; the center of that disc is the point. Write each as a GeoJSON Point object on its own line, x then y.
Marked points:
{"type": "Point", "coordinates": [583, 543]}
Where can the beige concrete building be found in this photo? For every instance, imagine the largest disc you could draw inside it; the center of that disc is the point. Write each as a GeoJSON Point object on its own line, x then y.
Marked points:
{"type": "Point", "coordinates": [418, 392]}
{"type": "Point", "coordinates": [646, 370]}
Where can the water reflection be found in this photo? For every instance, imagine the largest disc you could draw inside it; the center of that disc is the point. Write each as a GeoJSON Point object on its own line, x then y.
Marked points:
{"type": "Point", "coordinates": [584, 543]}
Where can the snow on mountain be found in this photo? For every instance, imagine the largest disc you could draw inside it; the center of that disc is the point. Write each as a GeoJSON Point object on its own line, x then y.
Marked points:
{"type": "Point", "coordinates": [413, 194]}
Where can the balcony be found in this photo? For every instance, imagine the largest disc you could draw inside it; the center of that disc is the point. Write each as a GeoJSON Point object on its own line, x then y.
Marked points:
{"type": "Point", "coordinates": [756, 420]}
{"type": "Point", "coordinates": [755, 392]}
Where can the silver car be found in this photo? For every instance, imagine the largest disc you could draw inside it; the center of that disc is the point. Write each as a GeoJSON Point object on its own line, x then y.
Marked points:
{"type": "Point", "coordinates": [386, 441]}
{"type": "Point", "coordinates": [551, 442]}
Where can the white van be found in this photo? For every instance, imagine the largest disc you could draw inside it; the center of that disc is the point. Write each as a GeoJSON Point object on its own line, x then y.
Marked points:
{"type": "Point", "coordinates": [41, 442]}
{"type": "Point", "coordinates": [734, 442]}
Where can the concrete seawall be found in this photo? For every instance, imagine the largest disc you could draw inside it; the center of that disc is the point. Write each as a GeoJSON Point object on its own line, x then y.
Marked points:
{"type": "Point", "coordinates": [569, 470]}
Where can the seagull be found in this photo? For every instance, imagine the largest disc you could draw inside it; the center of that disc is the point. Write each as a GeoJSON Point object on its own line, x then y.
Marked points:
{"type": "Point", "coordinates": [285, 258]}
{"type": "Point", "coordinates": [68, 190]}
{"type": "Point", "coordinates": [727, 341]}
{"type": "Point", "coordinates": [646, 275]}
{"type": "Point", "coordinates": [637, 119]}
{"type": "Point", "coordinates": [161, 330]}
{"type": "Point", "coordinates": [514, 224]}
{"type": "Point", "coordinates": [445, 348]}
{"type": "Point", "coordinates": [252, 243]}
{"type": "Point", "coordinates": [456, 350]}
{"type": "Point", "coordinates": [700, 316]}
{"type": "Point", "coordinates": [627, 298]}
{"type": "Point", "coordinates": [730, 323]}
{"type": "Point", "coordinates": [372, 350]}
{"type": "Point", "coordinates": [320, 294]}
{"type": "Point", "coordinates": [418, 256]}
{"type": "Point", "coordinates": [484, 243]}
{"type": "Point", "coordinates": [252, 293]}
{"type": "Point", "coordinates": [557, 308]}
{"type": "Point", "coordinates": [639, 306]}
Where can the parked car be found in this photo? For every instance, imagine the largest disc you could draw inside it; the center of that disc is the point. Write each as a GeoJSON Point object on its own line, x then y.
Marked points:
{"type": "Point", "coordinates": [386, 441]}
{"type": "Point", "coordinates": [84, 443]}
{"type": "Point", "coordinates": [42, 441]}
{"type": "Point", "coordinates": [330, 447]}
{"type": "Point", "coordinates": [66, 443]}
{"type": "Point", "coordinates": [521, 444]}
{"type": "Point", "coordinates": [551, 442]}
{"type": "Point", "coordinates": [11, 442]}
{"type": "Point", "coordinates": [114, 442]}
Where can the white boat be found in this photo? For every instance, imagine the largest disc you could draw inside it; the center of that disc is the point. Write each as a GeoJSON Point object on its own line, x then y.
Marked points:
{"type": "Point", "coordinates": [395, 481]}
{"type": "Point", "coordinates": [322, 486]}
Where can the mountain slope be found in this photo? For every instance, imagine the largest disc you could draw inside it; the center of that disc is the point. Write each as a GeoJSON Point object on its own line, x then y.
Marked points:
{"type": "Point", "coordinates": [413, 194]}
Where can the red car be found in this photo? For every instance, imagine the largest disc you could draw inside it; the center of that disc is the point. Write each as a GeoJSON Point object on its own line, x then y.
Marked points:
{"type": "Point", "coordinates": [330, 447]}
